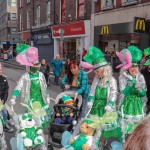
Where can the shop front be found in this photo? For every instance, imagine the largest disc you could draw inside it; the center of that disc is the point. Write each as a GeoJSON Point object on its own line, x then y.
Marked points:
{"type": "Point", "coordinates": [71, 38]}
{"type": "Point", "coordinates": [114, 37]}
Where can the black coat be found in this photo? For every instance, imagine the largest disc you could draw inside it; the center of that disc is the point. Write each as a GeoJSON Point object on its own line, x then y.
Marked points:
{"type": "Point", "coordinates": [3, 88]}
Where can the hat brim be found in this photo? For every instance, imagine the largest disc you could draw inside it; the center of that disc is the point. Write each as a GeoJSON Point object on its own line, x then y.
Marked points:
{"type": "Point", "coordinates": [97, 66]}
{"type": "Point", "coordinates": [147, 63]}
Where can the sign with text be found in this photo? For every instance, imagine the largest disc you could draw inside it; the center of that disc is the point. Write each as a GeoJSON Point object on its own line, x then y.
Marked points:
{"type": "Point", "coordinates": [76, 28]}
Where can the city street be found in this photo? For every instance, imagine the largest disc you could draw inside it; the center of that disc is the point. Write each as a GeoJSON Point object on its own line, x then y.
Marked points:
{"type": "Point", "coordinates": [13, 75]}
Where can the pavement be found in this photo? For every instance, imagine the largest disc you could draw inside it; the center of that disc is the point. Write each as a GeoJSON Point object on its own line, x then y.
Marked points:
{"type": "Point", "coordinates": [14, 64]}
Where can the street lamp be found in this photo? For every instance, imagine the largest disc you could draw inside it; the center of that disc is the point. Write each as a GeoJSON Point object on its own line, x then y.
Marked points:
{"type": "Point", "coordinates": [61, 32]}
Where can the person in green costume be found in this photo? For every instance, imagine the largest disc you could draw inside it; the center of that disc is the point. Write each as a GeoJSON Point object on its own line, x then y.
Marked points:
{"type": "Point", "coordinates": [103, 92]}
{"type": "Point", "coordinates": [132, 98]}
{"type": "Point", "coordinates": [32, 85]}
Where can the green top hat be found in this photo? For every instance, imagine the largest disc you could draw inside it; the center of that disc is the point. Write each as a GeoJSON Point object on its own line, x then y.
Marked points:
{"type": "Point", "coordinates": [95, 57]}
{"type": "Point", "coordinates": [21, 48]}
{"type": "Point", "coordinates": [67, 99]}
{"type": "Point", "coordinates": [136, 54]}
{"type": "Point", "coordinates": [147, 55]}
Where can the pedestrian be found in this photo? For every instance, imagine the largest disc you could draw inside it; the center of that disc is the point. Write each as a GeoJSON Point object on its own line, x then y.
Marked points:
{"type": "Point", "coordinates": [84, 53]}
{"type": "Point", "coordinates": [140, 137]}
{"type": "Point", "coordinates": [4, 87]}
{"type": "Point", "coordinates": [45, 69]}
{"type": "Point", "coordinates": [77, 80]}
{"type": "Point", "coordinates": [146, 74]}
{"type": "Point", "coordinates": [32, 85]}
{"type": "Point", "coordinates": [57, 66]}
{"type": "Point", "coordinates": [67, 65]}
{"type": "Point", "coordinates": [103, 92]}
{"type": "Point", "coordinates": [132, 97]}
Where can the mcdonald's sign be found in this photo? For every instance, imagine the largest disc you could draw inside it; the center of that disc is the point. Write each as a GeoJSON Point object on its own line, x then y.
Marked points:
{"type": "Point", "coordinates": [104, 30]}
{"type": "Point", "coordinates": [139, 25]}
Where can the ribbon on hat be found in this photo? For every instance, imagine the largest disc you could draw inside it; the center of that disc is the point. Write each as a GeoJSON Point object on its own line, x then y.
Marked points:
{"type": "Point", "coordinates": [125, 58]}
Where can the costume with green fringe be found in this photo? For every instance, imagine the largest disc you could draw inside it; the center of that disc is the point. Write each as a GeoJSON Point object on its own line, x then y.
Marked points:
{"type": "Point", "coordinates": [132, 100]}
{"type": "Point", "coordinates": [102, 95]}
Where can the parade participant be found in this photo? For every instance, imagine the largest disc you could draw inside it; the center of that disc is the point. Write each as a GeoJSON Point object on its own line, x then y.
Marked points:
{"type": "Point", "coordinates": [32, 84]}
{"type": "Point", "coordinates": [146, 74]}
{"type": "Point", "coordinates": [103, 92]}
{"type": "Point", "coordinates": [132, 100]}
{"type": "Point", "coordinates": [77, 79]}
{"type": "Point", "coordinates": [57, 66]}
{"type": "Point", "coordinates": [4, 87]}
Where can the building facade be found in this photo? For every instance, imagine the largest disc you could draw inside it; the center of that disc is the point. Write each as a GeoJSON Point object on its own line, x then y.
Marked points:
{"type": "Point", "coordinates": [34, 20]}
{"type": "Point", "coordinates": [71, 28]}
{"type": "Point", "coordinates": [120, 23]}
{"type": "Point", "coordinates": [8, 24]}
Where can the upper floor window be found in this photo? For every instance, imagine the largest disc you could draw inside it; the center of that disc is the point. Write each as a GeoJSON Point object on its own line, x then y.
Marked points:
{"type": "Point", "coordinates": [109, 2]}
{"type": "Point", "coordinates": [129, 2]}
{"type": "Point", "coordinates": [28, 19]}
{"type": "Point", "coordinates": [20, 3]}
{"type": "Point", "coordinates": [13, 2]}
{"type": "Point", "coordinates": [8, 16]}
{"type": "Point", "coordinates": [48, 12]}
{"type": "Point", "coordinates": [80, 8]}
{"type": "Point", "coordinates": [13, 16]}
{"type": "Point", "coordinates": [13, 30]}
{"type": "Point", "coordinates": [38, 15]}
{"type": "Point", "coordinates": [20, 21]}
{"type": "Point", "coordinates": [63, 10]}
{"type": "Point", "coordinates": [28, 1]}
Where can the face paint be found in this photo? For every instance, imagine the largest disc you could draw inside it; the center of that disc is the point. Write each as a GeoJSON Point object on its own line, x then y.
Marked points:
{"type": "Point", "coordinates": [34, 69]}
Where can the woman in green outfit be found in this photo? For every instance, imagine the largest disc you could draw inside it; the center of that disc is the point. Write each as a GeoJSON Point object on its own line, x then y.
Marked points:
{"type": "Point", "coordinates": [103, 92]}
{"type": "Point", "coordinates": [132, 98]}
{"type": "Point", "coordinates": [32, 85]}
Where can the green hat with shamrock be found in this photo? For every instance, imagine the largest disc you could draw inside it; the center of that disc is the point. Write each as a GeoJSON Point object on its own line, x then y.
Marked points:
{"type": "Point", "coordinates": [67, 99]}
{"type": "Point", "coordinates": [136, 54]}
{"type": "Point", "coordinates": [95, 57]}
{"type": "Point", "coordinates": [147, 56]}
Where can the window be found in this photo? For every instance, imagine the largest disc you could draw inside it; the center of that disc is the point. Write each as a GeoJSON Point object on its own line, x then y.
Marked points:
{"type": "Point", "coordinates": [13, 30]}
{"type": "Point", "coordinates": [28, 19]}
{"type": "Point", "coordinates": [109, 2]}
{"type": "Point", "coordinates": [20, 3]}
{"type": "Point", "coordinates": [13, 16]}
{"type": "Point", "coordinates": [38, 15]}
{"type": "Point", "coordinates": [80, 8]}
{"type": "Point", "coordinates": [20, 21]}
{"type": "Point", "coordinates": [48, 12]}
{"type": "Point", "coordinates": [28, 1]}
{"type": "Point", "coordinates": [129, 2]}
{"type": "Point", "coordinates": [63, 10]}
{"type": "Point", "coordinates": [13, 2]}
{"type": "Point", "coordinates": [8, 16]}
{"type": "Point", "coordinates": [8, 2]}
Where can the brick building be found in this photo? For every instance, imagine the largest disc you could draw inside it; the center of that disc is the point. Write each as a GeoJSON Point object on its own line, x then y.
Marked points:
{"type": "Point", "coordinates": [71, 29]}
{"type": "Point", "coordinates": [34, 20]}
{"type": "Point", "coordinates": [120, 23]}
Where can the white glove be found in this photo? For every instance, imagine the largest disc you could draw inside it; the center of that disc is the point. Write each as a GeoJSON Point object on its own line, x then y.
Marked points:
{"type": "Point", "coordinates": [108, 108]}
{"type": "Point", "coordinates": [90, 104]}
{"type": "Point", "coordinates": [13, 101]}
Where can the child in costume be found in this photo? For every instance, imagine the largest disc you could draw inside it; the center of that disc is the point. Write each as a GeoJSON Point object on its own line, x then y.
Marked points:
{"type": "Point", "coordinates": [103, 92]}
{"type": "Point", "coordinates": [67, 115]}
{"type": "Point", "coordinates": [132, 100]}
{"type": "Point", "coordinates": [32, 85]}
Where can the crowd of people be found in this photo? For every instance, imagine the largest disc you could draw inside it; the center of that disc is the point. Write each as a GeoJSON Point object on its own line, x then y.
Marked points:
{"type": "Point", "coordinates": [130, 101]}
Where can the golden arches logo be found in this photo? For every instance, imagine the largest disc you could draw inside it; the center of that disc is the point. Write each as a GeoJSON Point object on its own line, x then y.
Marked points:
{"type": "Point", "coordinates": [140, 25]}
{"type": "Point", "coordinates": [104, 30]}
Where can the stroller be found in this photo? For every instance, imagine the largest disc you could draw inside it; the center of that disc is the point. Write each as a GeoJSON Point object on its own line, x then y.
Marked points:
{"type": "Point", "coordinates": [56, 130]}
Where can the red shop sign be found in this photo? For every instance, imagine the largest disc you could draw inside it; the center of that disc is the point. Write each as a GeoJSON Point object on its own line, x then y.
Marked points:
{"type": "Point", "coordinates": [69, 29]}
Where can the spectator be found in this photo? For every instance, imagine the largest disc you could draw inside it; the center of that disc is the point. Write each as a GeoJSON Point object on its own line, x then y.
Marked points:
{"type": "Point", "coordinates": [45, 69]}
{"type": "Point", "coordinates": [57, 66]}
{"type": "Point", "coordinates": [66, 65]}
{"type": "Point", "coordinates": [146, 74]}
{"type": "Point", "coordinates": [3, 96]}
{"type": "Point", "coordinates": [83, 53]}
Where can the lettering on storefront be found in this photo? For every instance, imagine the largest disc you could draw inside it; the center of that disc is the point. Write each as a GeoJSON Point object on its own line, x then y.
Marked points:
{"type": "Point", "coordinates": [139, 25]}
{"type": "Point", "coordinates": [105, 30]}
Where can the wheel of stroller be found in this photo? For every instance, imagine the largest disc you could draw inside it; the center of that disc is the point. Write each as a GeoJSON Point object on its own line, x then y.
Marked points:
{"type": "Point", "coordinates": [50, 147]}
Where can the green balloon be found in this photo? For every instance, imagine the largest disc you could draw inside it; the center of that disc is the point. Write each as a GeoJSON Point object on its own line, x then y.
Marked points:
{"type": "Point", "coordinates": [21, 47]}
